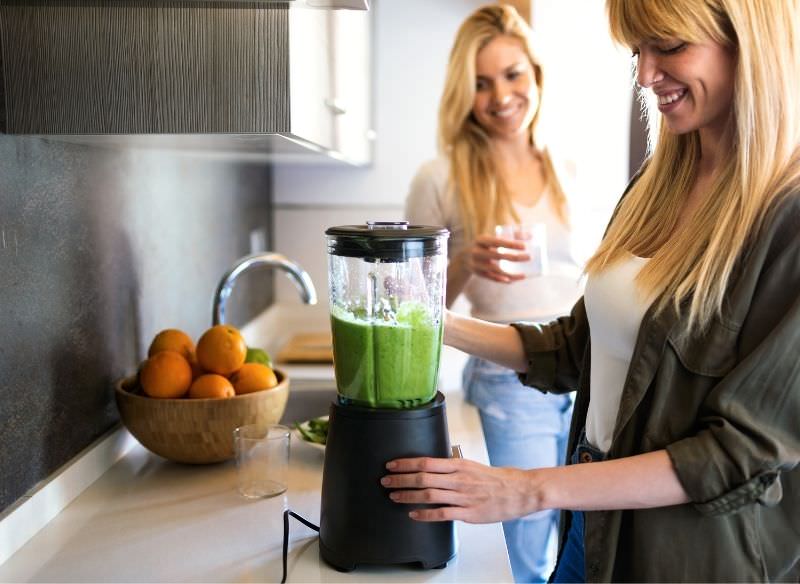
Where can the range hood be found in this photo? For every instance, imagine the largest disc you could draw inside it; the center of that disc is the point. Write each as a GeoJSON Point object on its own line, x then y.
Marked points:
{"type": "Point", "coordinates": [200, 74]}
{"type": "Point", "coordinates": [333, 4]}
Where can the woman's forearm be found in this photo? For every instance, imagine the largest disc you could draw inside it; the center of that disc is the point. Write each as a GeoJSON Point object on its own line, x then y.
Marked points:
{"type": "Point", "coordinates": [636, 482]}
{"type": "Point", "coordinates": [499, 343]}
{"type": "Point", "coordinates": [461, 489]}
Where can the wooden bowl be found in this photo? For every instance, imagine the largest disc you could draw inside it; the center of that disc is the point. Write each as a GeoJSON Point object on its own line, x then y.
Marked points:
{"type": "Point", "coordinates": [196, 431]}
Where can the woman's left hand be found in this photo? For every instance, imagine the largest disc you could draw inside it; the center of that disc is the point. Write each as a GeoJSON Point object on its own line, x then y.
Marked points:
{"type": "Point", "coordinates": [467, 490]}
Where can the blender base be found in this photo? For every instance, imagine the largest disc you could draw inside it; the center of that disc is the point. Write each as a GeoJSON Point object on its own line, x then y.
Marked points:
{"type": "Point", "coordinates": [348, 565]}
{"type": "Point", "coordinates": [359, 524]}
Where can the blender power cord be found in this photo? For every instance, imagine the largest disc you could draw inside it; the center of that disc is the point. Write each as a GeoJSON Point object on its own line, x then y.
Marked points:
{"type": "Point", "coordinates": [302, 520]}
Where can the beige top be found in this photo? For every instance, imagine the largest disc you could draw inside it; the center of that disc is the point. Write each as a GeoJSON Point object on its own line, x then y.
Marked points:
{"type": "Point", "coordinates": [538, 298]}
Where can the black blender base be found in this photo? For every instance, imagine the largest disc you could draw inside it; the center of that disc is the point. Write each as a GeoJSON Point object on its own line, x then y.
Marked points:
{"type": "Point", "coordinates": [359, 523]}
{"type": "Point", "coordinates": [348, 565]}
{"type": "Point", "coordinates": [333, 561]}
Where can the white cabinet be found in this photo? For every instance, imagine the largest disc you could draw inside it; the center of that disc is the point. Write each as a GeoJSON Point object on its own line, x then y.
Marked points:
{"type": "Point", "coordinates": [310, 75]}
{"type": "Point", "coordinates": [351, 100]}
{"type": "Point", "coordinates": [330, 80]}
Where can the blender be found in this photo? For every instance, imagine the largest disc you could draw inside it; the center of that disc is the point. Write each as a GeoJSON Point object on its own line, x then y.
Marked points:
{"type": "Point", "coordinates": [386, 283]}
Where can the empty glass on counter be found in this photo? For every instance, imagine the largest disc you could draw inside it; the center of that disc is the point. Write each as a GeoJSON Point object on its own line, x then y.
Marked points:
{"type": "Point", "coordinates": [262, 460]}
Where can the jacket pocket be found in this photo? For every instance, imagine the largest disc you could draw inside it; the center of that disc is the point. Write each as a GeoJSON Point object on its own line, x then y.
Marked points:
{"type": "Point", "coordinates": [712, 353]}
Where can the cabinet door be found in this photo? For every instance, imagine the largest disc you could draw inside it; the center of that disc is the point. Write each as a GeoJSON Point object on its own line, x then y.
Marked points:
{"type": "Point", "coordinates": [351, 72]}
{"type": "Point", "coordinates": [310, 75]}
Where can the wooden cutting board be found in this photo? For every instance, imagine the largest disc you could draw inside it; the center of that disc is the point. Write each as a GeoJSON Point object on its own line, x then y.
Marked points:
{"type": "Point", "coordinates": [307, 348]}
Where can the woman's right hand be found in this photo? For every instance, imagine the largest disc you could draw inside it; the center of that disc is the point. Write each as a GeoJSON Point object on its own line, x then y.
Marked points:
{"type": "Point", "coordinates": [459, 489]}
{"type": "Point", "coordinates": [483, 256]}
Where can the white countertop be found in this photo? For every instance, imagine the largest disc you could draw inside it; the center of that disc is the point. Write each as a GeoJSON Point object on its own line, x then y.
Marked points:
{"type": "Point", "coordinates": [149, 520]}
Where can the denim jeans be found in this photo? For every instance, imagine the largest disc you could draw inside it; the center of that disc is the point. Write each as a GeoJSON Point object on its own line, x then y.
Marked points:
{"type": "Point", "coordinates": [571, 564]}
{"type": "Point", "coordinates": [524, 428]}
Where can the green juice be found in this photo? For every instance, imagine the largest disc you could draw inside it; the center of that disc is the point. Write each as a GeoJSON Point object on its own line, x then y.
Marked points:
{"type": "Point", "coordinates": [387, 364]}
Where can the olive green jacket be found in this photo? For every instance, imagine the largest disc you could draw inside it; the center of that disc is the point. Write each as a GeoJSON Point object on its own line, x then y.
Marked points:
{"type": "Point", "coordinates": [726, 407]}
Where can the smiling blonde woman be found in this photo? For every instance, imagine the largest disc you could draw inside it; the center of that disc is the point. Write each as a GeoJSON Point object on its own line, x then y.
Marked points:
{"type": "Point", "coordinates": [684, 349]}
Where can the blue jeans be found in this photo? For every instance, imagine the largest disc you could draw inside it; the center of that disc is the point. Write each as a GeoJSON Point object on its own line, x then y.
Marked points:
{"type": "Point", "coordinates": [571, 564]}
{"type": "Point", "coordinates": [524, 428]}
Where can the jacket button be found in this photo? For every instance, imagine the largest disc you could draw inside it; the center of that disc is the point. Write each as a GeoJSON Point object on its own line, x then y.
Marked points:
{"type": "Point", "coordinates": [586, 457]}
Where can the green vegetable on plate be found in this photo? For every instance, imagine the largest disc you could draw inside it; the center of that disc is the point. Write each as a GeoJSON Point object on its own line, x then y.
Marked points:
{"type": "Point", "coordinates": [315, 430]}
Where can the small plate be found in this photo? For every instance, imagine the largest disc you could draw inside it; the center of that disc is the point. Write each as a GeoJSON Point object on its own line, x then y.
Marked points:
{"type": "Point", "coordinates": [302, 438]}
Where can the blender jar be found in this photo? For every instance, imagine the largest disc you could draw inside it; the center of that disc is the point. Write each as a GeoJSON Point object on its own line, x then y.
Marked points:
{"type": "Point", "coordinates": [386, 283]}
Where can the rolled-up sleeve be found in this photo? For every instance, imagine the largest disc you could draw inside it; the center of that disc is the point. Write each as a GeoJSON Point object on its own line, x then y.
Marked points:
{"type": "Point", "coordinates": [555, 351]}
{"type": "Point", "coordinates": [750, 428]}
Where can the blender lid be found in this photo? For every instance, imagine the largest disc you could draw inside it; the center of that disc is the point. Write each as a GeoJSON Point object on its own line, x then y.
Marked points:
{"type": "Point", "coordinates": [387, 240]}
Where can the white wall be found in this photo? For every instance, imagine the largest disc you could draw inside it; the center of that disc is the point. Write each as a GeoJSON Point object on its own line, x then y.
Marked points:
{"type": "Point", "coordinates": [588, 91]}
{"type": "Point", "coordinates": [411, 44]}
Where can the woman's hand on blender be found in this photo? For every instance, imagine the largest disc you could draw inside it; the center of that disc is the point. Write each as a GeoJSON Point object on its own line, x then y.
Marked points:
{"type": "Point", "coordinates": [469, 491]}
{"type": "Point", "coordinates": [483, 256]}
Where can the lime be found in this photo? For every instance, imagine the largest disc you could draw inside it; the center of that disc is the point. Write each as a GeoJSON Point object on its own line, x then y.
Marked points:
{"type": "Point", "coordinates": [255, 355]}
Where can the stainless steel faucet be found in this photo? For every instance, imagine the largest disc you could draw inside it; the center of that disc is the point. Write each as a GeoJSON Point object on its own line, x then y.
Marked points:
{"type": "Point", "coordinates": [262, 260]}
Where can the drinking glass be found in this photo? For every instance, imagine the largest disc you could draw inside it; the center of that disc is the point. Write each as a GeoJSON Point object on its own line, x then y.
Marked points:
{"type": "Point", "coordinates": [534, 236]}
{"type": "Point", "coordinates": [262, 460]}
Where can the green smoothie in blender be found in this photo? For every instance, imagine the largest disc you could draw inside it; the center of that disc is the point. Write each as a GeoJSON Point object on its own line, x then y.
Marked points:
{"type": "Point", "coordinates": [390, 361]}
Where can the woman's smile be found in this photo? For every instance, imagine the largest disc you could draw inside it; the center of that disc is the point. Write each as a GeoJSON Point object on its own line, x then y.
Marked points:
{"type": "Point", "coordinates": [670, 100]}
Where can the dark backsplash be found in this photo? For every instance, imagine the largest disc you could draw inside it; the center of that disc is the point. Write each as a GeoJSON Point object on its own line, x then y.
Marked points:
{"type": "Point", "coordinates": [100, 249]}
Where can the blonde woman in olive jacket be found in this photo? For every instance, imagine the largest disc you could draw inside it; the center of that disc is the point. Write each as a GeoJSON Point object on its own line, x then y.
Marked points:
{"type": "Point", "coordinates": [684, 349]}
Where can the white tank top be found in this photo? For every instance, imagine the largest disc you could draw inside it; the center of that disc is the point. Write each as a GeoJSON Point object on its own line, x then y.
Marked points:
{"type": "Point", "coordinates": [615, 307]}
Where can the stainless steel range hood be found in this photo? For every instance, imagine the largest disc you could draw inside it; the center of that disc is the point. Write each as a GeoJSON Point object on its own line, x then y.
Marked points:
{"type": "Point", "coordinates": [210, 74]}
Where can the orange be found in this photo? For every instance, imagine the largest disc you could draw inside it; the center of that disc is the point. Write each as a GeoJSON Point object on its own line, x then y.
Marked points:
{"type": "Point", "coordinates": [165, 374]}
{"type": "Point", "coordinates": [172, 340]}
{"type": "Point", "coordinates": [211, 385]}
{"type": "Point", "coordinates": [221, 350]}
{"type": "Point", "coordinates": [197, 371]}
{"type": "Point", "coordinates": [253, 377]}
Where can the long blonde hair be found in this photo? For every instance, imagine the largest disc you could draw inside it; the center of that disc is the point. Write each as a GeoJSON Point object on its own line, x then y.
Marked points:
{"type": "Point", "coordinates": [484, 199]}
{"type": "Point", "coordinates": [698, 261]}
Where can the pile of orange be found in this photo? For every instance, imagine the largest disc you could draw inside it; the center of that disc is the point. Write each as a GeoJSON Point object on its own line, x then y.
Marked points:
{"type": "Point", "coordinates": [216, 368]}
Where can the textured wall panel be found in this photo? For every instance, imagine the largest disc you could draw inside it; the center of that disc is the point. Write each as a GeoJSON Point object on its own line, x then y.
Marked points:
{"type": "Point", "coordinates": [119, 67]}
{"type": "Point", "coordinates": [99, 249]}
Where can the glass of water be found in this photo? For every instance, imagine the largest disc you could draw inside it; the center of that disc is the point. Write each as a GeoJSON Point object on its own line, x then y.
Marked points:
{"type": "Point", "coordinates": [534, 236]}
